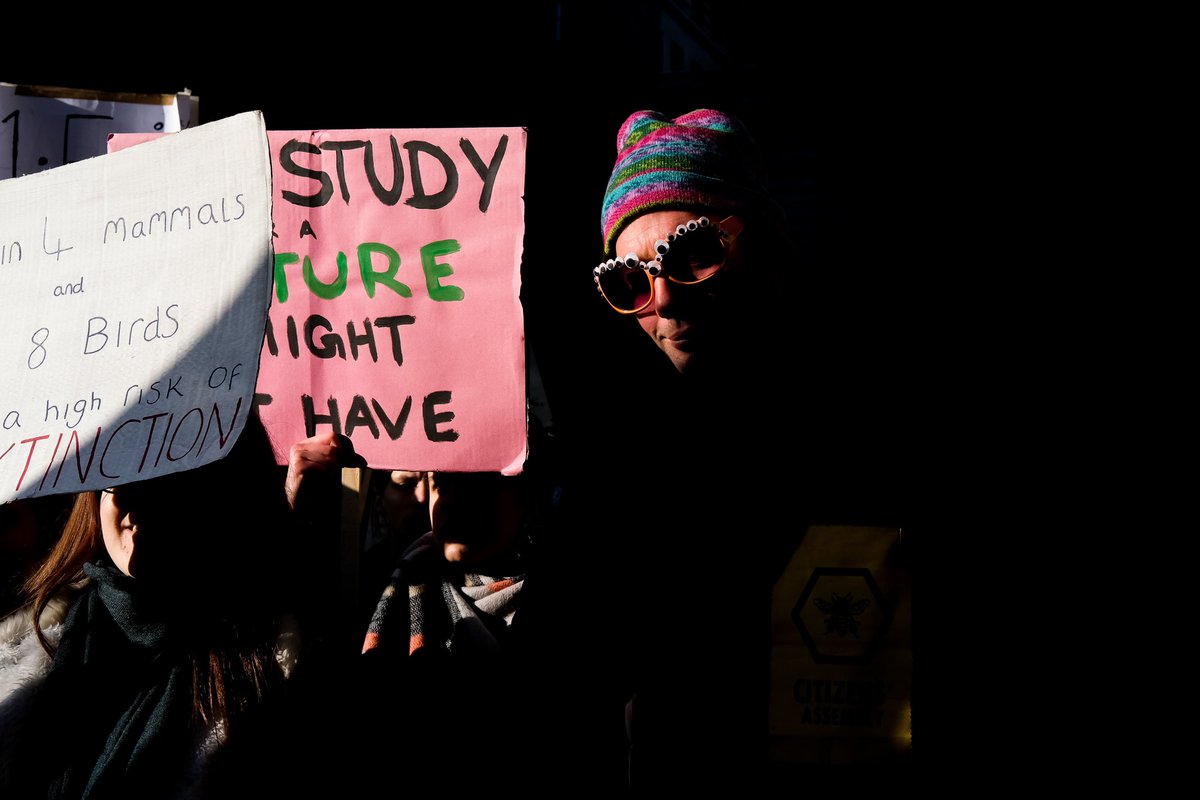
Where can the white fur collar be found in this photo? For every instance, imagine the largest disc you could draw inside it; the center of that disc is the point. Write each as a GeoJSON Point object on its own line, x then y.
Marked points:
{"type": "Point", "coordinates": [23, 660]}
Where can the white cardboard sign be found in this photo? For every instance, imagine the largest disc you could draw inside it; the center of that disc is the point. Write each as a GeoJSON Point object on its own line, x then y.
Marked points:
{"type": "Point", "coordinates": [135, 290]}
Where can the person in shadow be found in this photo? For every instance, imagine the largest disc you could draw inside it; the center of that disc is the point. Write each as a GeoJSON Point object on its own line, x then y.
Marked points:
{"type": "Point", "coordinates": [161, 629]}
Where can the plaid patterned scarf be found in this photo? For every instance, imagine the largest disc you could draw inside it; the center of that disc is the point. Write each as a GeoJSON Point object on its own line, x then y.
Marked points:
{"type": "Point", "coordinates": [438, 607]}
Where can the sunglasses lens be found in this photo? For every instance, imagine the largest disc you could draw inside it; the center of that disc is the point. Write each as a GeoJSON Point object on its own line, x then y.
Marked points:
{"type": "Point", "coordinates": [694, 257]}
{"type": "Point", "coordinates": [129, 494]}
{"type": "Point", "coordinates": [627, 289]}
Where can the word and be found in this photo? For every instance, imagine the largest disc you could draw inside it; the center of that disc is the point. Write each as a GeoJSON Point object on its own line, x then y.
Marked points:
{"type": "Point", "coordinates": [419, 198]}
{"type": "Point", "coordinates": [69, 288]}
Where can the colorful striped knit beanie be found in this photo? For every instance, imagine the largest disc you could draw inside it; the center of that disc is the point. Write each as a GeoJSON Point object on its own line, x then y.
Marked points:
{"type": "Point", "coordinates": [704, 160]}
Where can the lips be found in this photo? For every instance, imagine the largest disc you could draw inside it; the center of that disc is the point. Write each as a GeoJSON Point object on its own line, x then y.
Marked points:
{"type": "Point", "coordinates": [681, 340]}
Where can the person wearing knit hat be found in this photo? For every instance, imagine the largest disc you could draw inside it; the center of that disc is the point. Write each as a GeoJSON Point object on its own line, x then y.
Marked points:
{"type": "Point", "coordinates": [694, 249]}
{"type": "Point", "coordinates": [680, 195]}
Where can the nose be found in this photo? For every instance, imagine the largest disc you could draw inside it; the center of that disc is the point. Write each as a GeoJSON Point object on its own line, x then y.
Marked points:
{"type": "Point", "coordinates": [664, 302]}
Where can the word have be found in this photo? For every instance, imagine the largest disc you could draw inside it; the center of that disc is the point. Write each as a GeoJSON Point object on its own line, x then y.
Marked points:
{"type": "Point", "coordinates": [389, 196]}
{"type": "Point", "coordinates": [434, 271]}
{"type": "Point", "coordinates": [205, 215]}
{"type": "Point", "coordinates": [359, 416]}
{"type": "Point", "coordinates": [332, 345]}
{"type": "Point", "coordinates": [119, 447]}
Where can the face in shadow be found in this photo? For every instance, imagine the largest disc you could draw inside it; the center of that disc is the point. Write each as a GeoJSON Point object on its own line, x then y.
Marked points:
{"type": "Point", "coordinates": [404, 502]}
{"type": "Point", "coordinates": [145, 528]}
{"type": "Point", "coordinates": [688, 321]}
{"type": "Point", "coordinates": [476, 516]}
{"type": "Point", "coordinates": [176, 527]}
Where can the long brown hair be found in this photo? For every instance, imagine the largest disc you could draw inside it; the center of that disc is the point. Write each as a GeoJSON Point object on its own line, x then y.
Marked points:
{"type": "Point", "coordinates": [233, 663]}
{"type": "Point", "coordinates": [78, 544]}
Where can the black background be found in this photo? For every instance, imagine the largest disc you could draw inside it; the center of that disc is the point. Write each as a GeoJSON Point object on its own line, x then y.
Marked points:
{"type": "Point", "coordinates": [851, 114]}
{"type": "Point", "coordinates": [842, 109]}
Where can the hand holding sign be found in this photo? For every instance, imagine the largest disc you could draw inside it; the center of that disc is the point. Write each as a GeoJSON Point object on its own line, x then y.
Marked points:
{"type": "Point", "coordinates": [320, 456]}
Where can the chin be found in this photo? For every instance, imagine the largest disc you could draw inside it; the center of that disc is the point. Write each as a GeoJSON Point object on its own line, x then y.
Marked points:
{"type": "Point", "coordinates": [680, 360]}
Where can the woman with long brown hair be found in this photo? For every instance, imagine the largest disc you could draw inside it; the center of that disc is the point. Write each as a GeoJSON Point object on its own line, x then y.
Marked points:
{"type": "Point", "coordinates": [171, 638]}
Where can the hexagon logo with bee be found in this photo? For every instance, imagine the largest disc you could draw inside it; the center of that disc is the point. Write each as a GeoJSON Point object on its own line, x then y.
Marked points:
{"type": "Point", "coordinates": [841, 615]}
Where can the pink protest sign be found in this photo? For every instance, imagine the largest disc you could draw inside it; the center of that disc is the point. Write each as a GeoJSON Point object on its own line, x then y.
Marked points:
{"type": "Point", "coordinates": [395, 317]}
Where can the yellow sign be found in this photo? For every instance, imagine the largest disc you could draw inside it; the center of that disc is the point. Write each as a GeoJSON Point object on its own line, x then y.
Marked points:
{"type": "Point", "coordinates": [841, 652]}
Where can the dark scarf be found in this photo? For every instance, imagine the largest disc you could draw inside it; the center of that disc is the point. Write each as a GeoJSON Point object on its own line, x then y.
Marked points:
{"type": "Point", "coordinates": [114, 715]}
